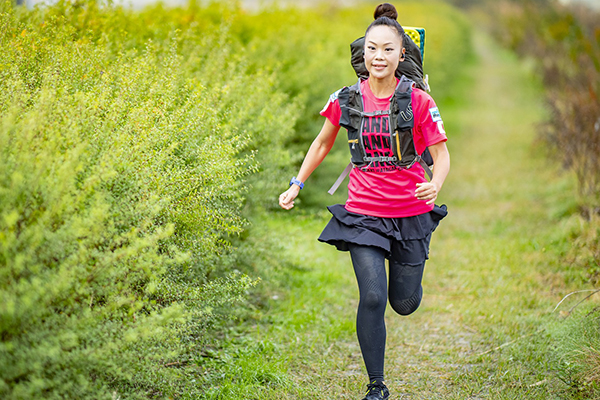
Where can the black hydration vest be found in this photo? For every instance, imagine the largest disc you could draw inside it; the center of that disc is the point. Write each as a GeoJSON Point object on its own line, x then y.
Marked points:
{"type": "Point", "coordinates": [401, 123]}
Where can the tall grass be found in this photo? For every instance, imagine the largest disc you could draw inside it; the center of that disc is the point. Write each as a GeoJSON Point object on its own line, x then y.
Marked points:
{"type": "Point", "coordinates": [564, 42]}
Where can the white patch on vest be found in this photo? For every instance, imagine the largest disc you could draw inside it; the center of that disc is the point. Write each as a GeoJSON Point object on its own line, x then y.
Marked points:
{"type": "Point", "coordinates": [332, 98]}
{"type": "Point", "coordinates": [440, 126]}
{"type": "Point", "coordinates": [435, 114]}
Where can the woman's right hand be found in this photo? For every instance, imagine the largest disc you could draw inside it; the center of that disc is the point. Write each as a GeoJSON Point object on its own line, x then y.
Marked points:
{"type": "Point", "coordinates": [286, 199]}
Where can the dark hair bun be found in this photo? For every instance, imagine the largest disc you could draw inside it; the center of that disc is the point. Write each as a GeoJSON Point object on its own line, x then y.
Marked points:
{"type": "Point", "coordinates": [386, 10]}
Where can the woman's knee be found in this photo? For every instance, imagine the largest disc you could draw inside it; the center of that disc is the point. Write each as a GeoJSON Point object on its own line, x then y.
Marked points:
{"type": "Point", "coordinates": [409, 305]}
{"type": "Point", "coordinates": [373, 300]}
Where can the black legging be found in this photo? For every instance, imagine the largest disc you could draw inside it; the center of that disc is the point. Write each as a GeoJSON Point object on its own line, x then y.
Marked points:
{"type": "Point", "coordinates": [405, 293]}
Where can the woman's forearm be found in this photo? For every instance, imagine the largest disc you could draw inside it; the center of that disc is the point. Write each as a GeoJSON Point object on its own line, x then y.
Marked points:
{"type": "Point", "coordinates": [441, 162]}
{"type": "Point", "coordinates": [314, 157]}
{"type": "Point", "coordinates": [428, 191]}
{"type": "Point", "coordinates": [319, 148]}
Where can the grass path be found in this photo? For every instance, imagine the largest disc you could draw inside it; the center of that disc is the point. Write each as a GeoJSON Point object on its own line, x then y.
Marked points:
{"type": "Point", "coordinates": [490, 286]}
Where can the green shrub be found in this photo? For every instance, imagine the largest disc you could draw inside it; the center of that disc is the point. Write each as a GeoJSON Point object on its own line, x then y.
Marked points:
{"type": "Point", "coordinates": [122, 171]}
{"type": "Point", "coordinates": [134, 148]}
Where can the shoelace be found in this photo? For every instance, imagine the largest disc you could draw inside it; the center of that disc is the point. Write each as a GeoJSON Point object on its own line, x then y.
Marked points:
{"type": "Point", "coordinates": [374, 388]}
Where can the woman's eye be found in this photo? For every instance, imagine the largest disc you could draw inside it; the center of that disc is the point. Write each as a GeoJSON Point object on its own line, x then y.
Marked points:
{"type": "Point", "coordinates": [371, 47]}
{"type": "Point", "coordinates": [389, 49]}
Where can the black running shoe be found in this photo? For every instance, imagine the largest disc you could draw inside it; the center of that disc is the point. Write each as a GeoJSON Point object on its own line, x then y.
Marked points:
{"type": "Point", "coordinates": [377, 391]}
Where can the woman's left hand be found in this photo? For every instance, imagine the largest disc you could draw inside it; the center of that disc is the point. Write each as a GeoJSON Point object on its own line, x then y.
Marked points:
{"type": "Point", "coordinates": [427, 191]}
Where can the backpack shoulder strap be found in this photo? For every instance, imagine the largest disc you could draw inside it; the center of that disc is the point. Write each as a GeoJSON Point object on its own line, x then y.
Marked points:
{"type": "Point", "coordinates": [405, 84]}
{"type": "Point", "coordinates": [347, 98]}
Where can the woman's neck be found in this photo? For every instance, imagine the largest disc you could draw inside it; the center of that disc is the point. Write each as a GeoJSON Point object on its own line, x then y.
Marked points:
{"type": "Point", "coordinates": [382, 88]}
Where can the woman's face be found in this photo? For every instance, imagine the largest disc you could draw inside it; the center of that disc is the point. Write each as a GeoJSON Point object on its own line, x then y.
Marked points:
{"type": "Point", "coordinates": [383, 50]}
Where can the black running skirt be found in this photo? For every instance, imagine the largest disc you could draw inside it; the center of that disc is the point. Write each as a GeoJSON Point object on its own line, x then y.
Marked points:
{"type": "Point", "coordinates": [347, 227]}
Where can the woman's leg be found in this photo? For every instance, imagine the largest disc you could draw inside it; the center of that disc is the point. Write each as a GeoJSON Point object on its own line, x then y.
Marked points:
{"type": "Point", "coordinates": [369, 266]}
{"type": "Point", "coordinates": [407, 264]}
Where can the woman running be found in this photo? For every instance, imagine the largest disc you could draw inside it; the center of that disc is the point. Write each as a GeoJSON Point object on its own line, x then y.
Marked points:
{"type": "Point", "coordinates": [390, 212]}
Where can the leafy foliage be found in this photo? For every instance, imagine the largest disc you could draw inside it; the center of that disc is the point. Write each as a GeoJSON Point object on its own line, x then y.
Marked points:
{"type": "Point", "coordinates": [122, 174]}
{"type": "Point", "coordinates": [135, 149]}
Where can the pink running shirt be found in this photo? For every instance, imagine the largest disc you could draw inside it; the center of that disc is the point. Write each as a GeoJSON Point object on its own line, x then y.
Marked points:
{"type": "Point", "coordinates": [383, 190]}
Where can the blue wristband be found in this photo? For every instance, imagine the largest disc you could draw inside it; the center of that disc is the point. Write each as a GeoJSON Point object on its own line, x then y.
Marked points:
{"type": "Point", "coordinates": [295, 181]}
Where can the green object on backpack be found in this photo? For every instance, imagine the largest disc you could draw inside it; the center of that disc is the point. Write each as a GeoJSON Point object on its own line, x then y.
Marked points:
{"type": "Point", "coordinates": [417, 35]}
